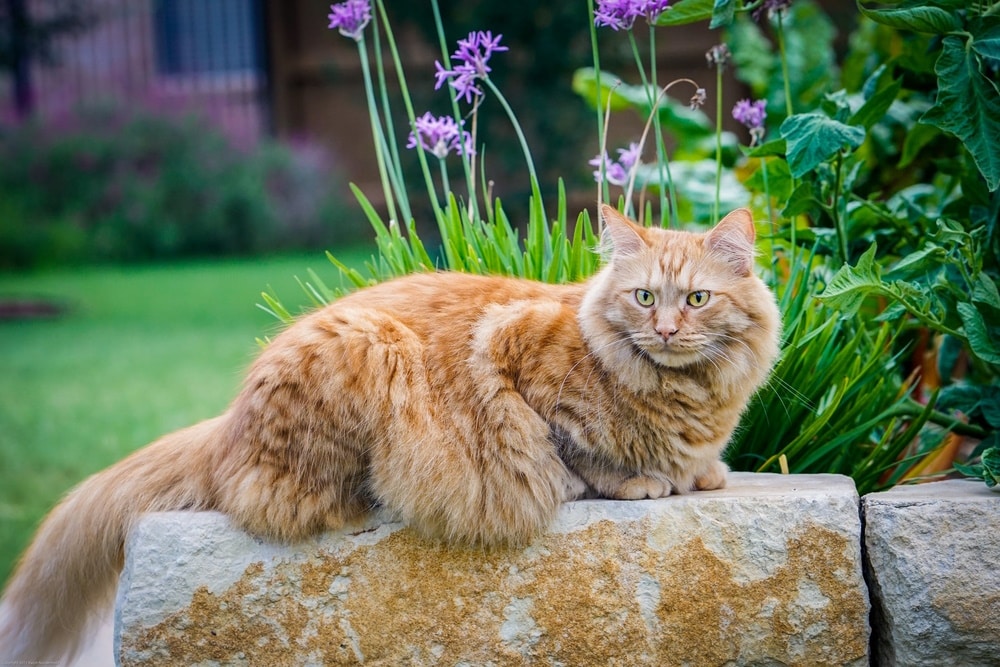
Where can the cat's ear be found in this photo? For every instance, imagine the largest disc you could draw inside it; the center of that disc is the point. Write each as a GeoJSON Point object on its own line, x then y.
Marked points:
{"type": "Point", "coordinates": [620, 233]}
{"type": "Point", "coordinates": [733, 240]}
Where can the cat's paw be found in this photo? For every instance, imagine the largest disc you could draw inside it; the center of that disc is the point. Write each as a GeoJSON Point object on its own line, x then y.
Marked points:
{"type": "Point", "coordinates": [642, 486]}
{"type": "Point", "coordinates": [713, 478]}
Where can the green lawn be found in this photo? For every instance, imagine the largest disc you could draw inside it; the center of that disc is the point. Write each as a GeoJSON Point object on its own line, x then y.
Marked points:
{"type": "Point", "coordinates": [142, 351]}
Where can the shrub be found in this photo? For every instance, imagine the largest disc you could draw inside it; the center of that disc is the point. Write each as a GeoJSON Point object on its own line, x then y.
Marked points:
{"type": "Point", "coordinates": [123, 185]}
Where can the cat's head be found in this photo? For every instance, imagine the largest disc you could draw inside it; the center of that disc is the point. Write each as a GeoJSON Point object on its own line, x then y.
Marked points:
{"type": "Point", "coordinates": [680, 298]}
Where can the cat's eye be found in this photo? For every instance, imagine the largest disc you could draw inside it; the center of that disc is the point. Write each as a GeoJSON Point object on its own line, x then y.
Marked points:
{"type": "Point", "coordinates": [698, 299]}
{"type": "Point", "coordinates": [644, 298]}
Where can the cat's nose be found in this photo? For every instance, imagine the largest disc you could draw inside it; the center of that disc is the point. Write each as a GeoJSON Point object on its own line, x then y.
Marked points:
{"type": "Point", "coordinates": [666, 331]}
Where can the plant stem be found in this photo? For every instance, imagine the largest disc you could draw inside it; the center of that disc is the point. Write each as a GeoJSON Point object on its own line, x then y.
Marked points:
{"type": "Point", "coordinates": [395, 163]}
{"type": "Point", "coordinates": [661, 148]}
{"type": "Point", "coordinates": [408, 103]}
{"type": "Point", "coordinates": [838, 218]}
{"type": "Point", "coordinates": [517, 129]}
{"type": "Point", "coordinates": [468, 163]}
{"type": "Point", "coordinates": [653, 112]}
{"type": "Point", "coordinates": [376, 130]}
{"type": "Point", "coordinates": [784, 64]}
{"type": "Point", "coordinates": [718, 141]}
{"type": "Point", "coordinates": [602, 187]}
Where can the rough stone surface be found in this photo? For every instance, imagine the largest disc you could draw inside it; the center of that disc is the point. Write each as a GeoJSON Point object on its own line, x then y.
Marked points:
{"type": "Point", "coordinates": [766, 572]}
{"type": "Point", "coordinates": [931, 553]}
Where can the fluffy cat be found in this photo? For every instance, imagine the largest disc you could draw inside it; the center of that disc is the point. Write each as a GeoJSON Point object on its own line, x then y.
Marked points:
{"type": "Point", "coordinates": [470, 406]}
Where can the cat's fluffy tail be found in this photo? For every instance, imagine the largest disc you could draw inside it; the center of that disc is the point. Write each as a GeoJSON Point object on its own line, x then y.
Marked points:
{"type": "Point", "coordinates": [65, 581]}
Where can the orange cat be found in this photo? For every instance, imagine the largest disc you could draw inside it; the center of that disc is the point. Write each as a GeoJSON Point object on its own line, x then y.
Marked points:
{"type": "Point", "coordinates": [469, 406]}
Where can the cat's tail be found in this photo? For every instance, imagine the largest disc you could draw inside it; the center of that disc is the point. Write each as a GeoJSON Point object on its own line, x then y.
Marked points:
{"type": "Point", "coordinates": [65, 581]}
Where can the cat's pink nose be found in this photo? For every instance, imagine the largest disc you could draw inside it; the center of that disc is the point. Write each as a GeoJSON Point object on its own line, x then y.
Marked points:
{"type": "Point", "coordinates": [666, 332]}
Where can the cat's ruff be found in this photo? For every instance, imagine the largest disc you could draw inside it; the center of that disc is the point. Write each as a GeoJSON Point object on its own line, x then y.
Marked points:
{"type": "Point", "coordinates": [470, 406]}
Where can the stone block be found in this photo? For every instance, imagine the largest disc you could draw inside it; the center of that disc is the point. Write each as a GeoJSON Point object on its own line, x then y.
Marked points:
{"type": "Point", "coordinates": [931, 552]}
{"type": "Point", "coordinates": [765, 572]}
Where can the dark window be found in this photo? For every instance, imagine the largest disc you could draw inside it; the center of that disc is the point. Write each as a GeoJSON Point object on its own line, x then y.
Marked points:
{"type": "Point", "coordinates": [208, 36]}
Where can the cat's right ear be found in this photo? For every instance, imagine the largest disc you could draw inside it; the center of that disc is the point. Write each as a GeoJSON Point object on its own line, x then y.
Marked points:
{"type": "Point", "coordinates": [620, 233]}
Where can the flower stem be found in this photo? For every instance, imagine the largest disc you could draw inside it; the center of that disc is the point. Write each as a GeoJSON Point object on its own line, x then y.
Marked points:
{"type": "Point", "coordinates": [408, 103]}
{"type": "Point", "coordinates": [520, 135]}
{"type": "Point", "coordinates": [654, 114]}
{"type": "Point", "coordinates": [396, 164]}
{"type": "Point", "coordinates": [718, 141]}
{"type": "Point", "coordinates": [468, 162]}
{"type": "Point", "coordinates": [784, 64]}
{"type": "Point", "coordinates": [661, 149]}
{"type": "Point", "coordinates": [603, 193]}
{"type": "Point", "coordinates": [377, 136]}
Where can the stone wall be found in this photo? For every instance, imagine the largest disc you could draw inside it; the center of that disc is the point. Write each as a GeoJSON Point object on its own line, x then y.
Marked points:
{"type": "Point", "coordinates": [766, 572]}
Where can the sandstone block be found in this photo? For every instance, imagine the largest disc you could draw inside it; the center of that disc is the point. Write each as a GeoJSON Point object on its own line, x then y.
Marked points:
{"type": "Point", "coordinates": [767, 571]}
{"type": "Point", "coordinates": [932, 552]}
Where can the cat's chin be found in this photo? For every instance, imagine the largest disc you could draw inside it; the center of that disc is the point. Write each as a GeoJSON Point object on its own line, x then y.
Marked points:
{"type": "Point", "coordinates": [673, 358]}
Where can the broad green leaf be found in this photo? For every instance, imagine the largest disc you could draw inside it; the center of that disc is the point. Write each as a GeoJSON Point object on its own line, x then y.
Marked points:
{"type": "Point", "coordinates": [722, 13]}
{"type": "Point", "coordinates": [985, 292]}
{"type": "Point", "coordinates": [813, 138]}
{"type": "Point", "coordinates": [987, 44]}
{"type": "Point", "coordinates": [917, 138]}
{"type": "Point", "coordinates": [851, 284]}
{"type": "Point", "coordinates": [686, 11]}
{"type": "Point", "coordinates": [933, 20]}
{"type": "Point", "coordinates": [968, 106]}
{"type": "Point", "coordinates": [982, 343]}
{"type": "Point", "coordinates": [775, 147]}
{"type": "Point", "coordinates": [919, 262]}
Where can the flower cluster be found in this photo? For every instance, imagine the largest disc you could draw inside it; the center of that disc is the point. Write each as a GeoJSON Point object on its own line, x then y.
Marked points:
{"type": "Point", "coordinates": [472, 56]}
{"type": "Point", "coordinates": [752, 115]}
{"type": "Point", "coordinates": [617, 173]}
{"type": "Point", "coordinates": [770, 8]}
{"type": "Point", "coordinates": [621, 14]}
{"type": "Point", "coordinates": [440, 136]}
{"type": "Point", "coordinates": [350, 17]}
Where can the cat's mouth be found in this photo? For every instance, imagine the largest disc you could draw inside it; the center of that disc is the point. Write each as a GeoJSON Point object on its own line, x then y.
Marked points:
{"type": "Point", "coordinates": [672, 354]}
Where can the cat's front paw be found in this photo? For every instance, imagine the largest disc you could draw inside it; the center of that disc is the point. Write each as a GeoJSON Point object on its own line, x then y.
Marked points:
{"type": "Point", "coordinates": [713, 478]}
{"type": "Point", "coordinates": [642, 486]}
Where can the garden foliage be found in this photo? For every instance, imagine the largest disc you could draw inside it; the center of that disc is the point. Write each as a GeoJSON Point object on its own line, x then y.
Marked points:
{"type": "Point", "coordinates": [113, 184]}
{"type": "Point", "coordinates": [874, 174]}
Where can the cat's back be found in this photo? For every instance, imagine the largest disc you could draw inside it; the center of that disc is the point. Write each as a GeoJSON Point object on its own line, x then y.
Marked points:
{"type": "Point", "coordinates": [437, 301]}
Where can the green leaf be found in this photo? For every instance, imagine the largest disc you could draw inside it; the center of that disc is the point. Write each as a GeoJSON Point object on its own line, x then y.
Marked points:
{"type": "Point", "coordinates": [987, 44]}
{"type": "Point", "coordinates": [851, 284]}
{"type": "Point", "coordinates": [980, 340]}
{"type": "Point", "coordinates": [722, 13]}
{"type": "Point", "coordinates": [968, 106]}
{"type": "Point", "coordinates": [876, 106]}
{"type": "Point", "coordinates": [917, 138]}
{"type": "Point", "coordinates": [687, 11]}
{"type": "Point", "coordinates": [918, 18]}
{"type": "Point", "coordinates": [813, 138]}
{"type": "Point", "coordinates": [985, 292]}
{"type": "Point", "coordinates": [991, 466]}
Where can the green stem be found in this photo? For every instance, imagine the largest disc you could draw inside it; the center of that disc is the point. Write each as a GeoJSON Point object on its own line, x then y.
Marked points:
{"type": "Point", "coordinates": [835, 210]}
{"type": "Point", "coordinates": [653, 111]}
{"type": "Point", "coordinates": [603, 186]}
{"type": "Point", "coordinates": [445, 182]}
{"type": "Point", "coordinates": [914, 409]}
{"type": "Point", "coordinates": [408, 103]}
{"type": "Point", "coordinates": [396, 164]}
{"type": "Point", "coordinates": [467, 161]}
{"type": "Point", "coordinates": [784, 64]}
{"type": "Point", "coordinates": [661, 148]}
{"type": "Point", "coordinates": [718, 140]}
{"type": "Point", "coordinates": [517, 129]}
{"type": "Point", "coordinates": [770, 219]}
{"type": "Point", "coordinates": [376, 130]}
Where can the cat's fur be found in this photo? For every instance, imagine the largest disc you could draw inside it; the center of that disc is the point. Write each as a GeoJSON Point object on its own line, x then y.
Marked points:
{"type": "Point", "coordinates": [469, 406]}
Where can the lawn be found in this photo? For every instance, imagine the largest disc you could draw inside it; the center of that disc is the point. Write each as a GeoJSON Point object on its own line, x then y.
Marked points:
{"type": "Point", "coordinates": [140, 351]}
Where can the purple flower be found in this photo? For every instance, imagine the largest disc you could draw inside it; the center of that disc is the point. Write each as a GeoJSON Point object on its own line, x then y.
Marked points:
{"type": "Point", "coordinates": [350, 17]}
{"type": "Point", "coordinates": [470, 66]}
{"type": "Point", "coordinates": [621, 14]}
{"type": "Point", "coordinates": [440, 136]}
{"type": "Point", "coordinates": [771, 7]}
{"type": "Point", "coordinates": [752, 115]}
{"type": "Point", "coordinates": [617, 173]}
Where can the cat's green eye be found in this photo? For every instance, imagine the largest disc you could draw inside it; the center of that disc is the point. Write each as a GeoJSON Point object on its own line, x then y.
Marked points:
{"type": "Point", "coordinates": [698, 299]}
{"type": "Point", "coordinates": [644, 297]}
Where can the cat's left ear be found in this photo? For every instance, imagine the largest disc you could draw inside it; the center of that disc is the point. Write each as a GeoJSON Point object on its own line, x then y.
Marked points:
{"type": "Point", "coordinates": [733, 240]}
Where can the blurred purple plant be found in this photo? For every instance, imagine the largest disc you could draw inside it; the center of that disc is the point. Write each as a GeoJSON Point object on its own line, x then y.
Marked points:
{"type": "Point", "coordinates": [440, 136]}
{"type": "Point", "coordinates": [622, 14]}
{"type": "Point", "coordinates": [350, 17]}
{"type": "Point", "coordinates": [617, 173]}
{"type": "Point", "coordinates": [752, 115]}
{"type": "Point", "coordinates": [472, 56]}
